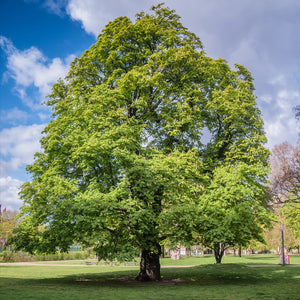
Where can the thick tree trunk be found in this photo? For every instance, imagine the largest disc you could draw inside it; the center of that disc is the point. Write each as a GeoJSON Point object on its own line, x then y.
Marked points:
{"type": "Point", "coordinates": [149, 266]}
{"type": "Point", "coordinates": [219, 249]}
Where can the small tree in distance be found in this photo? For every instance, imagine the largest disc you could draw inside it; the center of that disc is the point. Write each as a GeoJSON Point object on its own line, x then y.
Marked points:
{"type": "Point", "coordinates": [8, 222]}
{"type": "Point", "coordinates": [285, 176]}
{"type": "Point", "coordinates": [124, 166]}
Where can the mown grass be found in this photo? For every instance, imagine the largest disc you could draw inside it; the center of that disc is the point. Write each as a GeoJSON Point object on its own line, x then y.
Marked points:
{"type": "Point", "coordinates": [261, 259]}
{"type": "Point", "coordinates": [231, 280]}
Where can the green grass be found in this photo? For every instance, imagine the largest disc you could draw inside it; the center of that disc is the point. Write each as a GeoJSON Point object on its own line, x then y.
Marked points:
{"type": "Point", "coordinates": [257, 259]}
{"type": "Point", "coordinates": [260, 259]}
{"type": "Point", "coordinates": [231, 280]}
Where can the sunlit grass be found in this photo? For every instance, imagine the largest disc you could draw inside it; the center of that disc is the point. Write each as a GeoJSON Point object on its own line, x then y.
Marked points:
{"type": "Point", "coordinates": [231, 280]}
{"type": "Point", "coordinates": [252, 259]}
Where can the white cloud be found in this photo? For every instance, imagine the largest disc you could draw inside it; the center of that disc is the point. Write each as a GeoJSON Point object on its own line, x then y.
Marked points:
{"type": "Point", "coordinates": [9, 189]}
{"type": "Point", "coordinates": [30, 67]}
{"type": "Point", "coordinates": [56, 6]}
{"type": "Point", "coordinates": [279, 131]}
{"type": "Point", "coordinates": [14, 116]}
{"type": "Point", "coordinates": [18, 146]}
{"type": "Point", "coordinates": [282, 126]}
{"type": "Point", "coordinates": [95, 14]}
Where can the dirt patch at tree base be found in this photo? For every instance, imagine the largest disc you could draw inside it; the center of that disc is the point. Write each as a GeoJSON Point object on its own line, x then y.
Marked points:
{"type": "Point", "coordinates": [163, 281]}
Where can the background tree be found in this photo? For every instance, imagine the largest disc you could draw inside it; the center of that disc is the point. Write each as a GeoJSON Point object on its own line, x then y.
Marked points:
{"type": "Point", "coordinates": [8, 222]}
{"type": "Point", "coordinates": [124, 166]}
{"type": "Point", "coordinates": [291, 214]}
{"type": "Point", "coordinates": [273, 236]}
{"type": "Point", "coordinates": [234, 210]}
{"type": "Point", "coordinates": [285, 176]}
{"type": "Point", "coordinates": [234, 206]}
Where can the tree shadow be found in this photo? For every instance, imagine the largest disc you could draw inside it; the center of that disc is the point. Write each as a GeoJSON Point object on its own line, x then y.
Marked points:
{"type": "Point", "coordinates": [227, 274]}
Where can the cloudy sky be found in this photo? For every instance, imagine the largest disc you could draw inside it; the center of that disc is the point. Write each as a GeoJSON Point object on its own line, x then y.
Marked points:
{"type": "Point", "coordinates": [39, 39]}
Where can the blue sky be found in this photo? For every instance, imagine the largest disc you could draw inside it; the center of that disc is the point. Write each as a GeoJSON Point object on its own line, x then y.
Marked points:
{"type": "Point", "coordinates": [39, 39]}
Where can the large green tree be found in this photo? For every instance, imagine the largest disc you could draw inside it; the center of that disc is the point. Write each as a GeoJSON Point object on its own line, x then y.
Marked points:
{"type": "Point", "coordinates": [126, 162]}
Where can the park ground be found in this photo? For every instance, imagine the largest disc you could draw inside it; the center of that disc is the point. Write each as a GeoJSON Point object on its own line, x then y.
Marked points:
{"type": "Point", "coordinates": [248, 277]}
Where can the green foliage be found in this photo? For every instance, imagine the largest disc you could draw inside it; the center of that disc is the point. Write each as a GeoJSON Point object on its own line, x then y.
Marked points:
{"type": "Point", "coordinates": [234, 206]}
{"type": "Point", "coordinates": [124, 166]}
{"type": "Point", "coordinates": [19, 256]}
{"type": "Point", "coordinates": [291, 212]}
{"type": "Point", "coordinates": [8, 222]}
{"type": "Point", "coordinates": [7, 256]}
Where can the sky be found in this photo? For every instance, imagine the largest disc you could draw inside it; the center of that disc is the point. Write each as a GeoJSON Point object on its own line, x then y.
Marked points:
{"type": "Point", "coordinates": [40, 38]}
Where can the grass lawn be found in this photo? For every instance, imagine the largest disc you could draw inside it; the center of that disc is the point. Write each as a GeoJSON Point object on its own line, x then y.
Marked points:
{"type": "Point", "coordinates": [231, 280]}
{"type": "Point", "coordinates": [259, 259]}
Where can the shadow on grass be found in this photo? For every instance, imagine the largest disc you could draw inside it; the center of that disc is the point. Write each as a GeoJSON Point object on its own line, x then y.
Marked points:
{"type": "Point", "coordinates": [234, 274]}
{"type": "Point", "coordinates": [228, 281]}
{"type": "Point", "coordinates": [226, 274]}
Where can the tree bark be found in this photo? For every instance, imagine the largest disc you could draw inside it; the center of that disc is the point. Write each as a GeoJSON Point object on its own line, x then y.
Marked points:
{"type": "Point", "coordinates": [149, 265]}
{"type": "Point", "coordinates": [240, 251]}
{"type": "Point", "coordinates": [219, 249]}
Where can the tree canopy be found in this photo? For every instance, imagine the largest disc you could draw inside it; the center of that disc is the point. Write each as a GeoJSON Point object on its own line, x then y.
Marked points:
{"type": "Point", "coordinates": [149, 140]}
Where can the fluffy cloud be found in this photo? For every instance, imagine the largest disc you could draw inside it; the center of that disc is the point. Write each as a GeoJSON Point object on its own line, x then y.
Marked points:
{"type": "Point", "coordinates": [14, 116]}
{"type": "Point", "coordinates": [9, 189]}
{"type": "Point", "coordinates": [282, 126]}
{"type": "Point", "coordinates": [30, 67]}
{"type": "Point", "coordinates": [95, 14]}
{"type": "Point", "coordinates": [56, 6]}
{"type": "Point", "coordinates": [18, 145]}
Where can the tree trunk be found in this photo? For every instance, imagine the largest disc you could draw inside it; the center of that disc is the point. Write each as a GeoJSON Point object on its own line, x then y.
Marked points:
{"type": "Point", "coordinates": [149, 265]}
{"type": "Point", "coordinates": [219, 249]}
{"type": "Point", "coordinates": [240, 251]}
